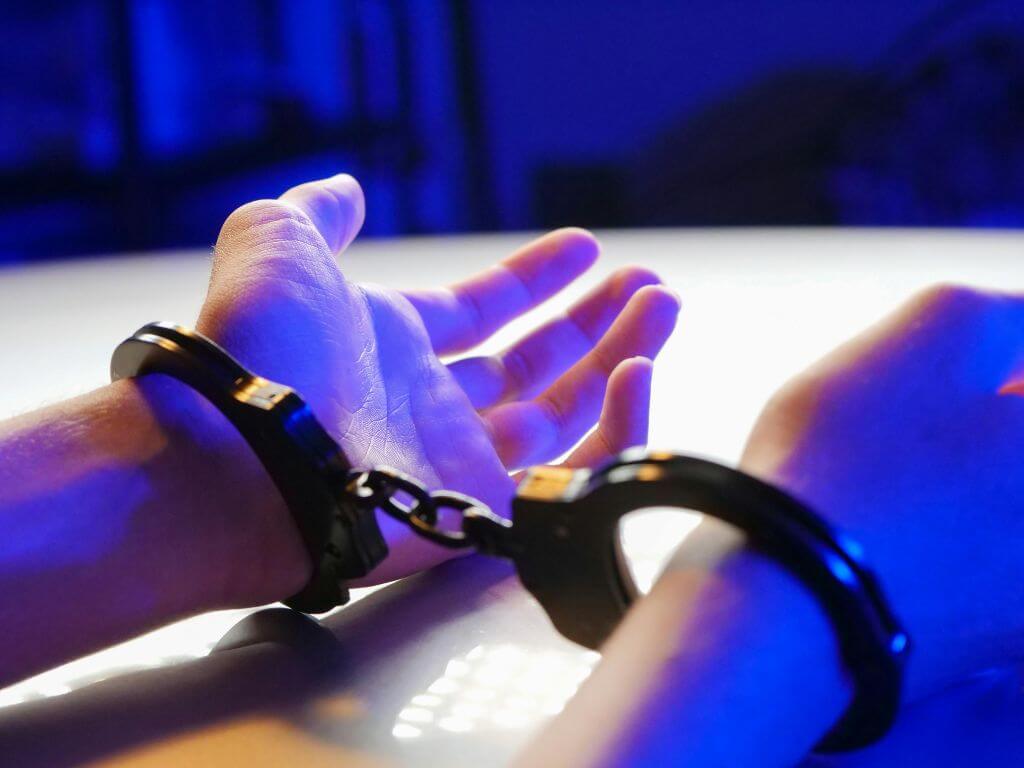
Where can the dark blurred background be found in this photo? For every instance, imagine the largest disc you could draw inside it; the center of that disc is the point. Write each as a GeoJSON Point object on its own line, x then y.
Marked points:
{"type": "Point", "coordinates": [140, 125]}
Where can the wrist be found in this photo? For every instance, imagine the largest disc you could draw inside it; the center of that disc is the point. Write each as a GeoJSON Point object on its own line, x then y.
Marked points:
{"type": "Point", "coordinates": [754, 653]}
{"type": "Point", "coordinates": [820, 483]}
{"type": "Point", "coordinates": [231, 528]}
{"type": "Point", "coordinates": [728, 660]}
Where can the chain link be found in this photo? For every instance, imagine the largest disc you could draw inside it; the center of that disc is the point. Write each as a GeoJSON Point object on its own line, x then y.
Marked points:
{"type": "Point", "coordinates": [479, 527]}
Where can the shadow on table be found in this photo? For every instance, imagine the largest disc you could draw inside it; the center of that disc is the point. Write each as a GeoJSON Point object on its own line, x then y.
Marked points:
{"type": "Point", "coordinates": [332, 690]}
{"type": "Point", "coordinates": [272, 663]}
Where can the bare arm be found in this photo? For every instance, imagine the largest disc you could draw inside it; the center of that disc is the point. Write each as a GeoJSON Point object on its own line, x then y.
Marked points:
{"type": "Point", "coordinates": [126, 508]}
{"type": "Point", "coordinates": [728, 661]}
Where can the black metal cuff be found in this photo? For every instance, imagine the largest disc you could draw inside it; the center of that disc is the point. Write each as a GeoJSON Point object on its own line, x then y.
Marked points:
{"type": "Point", "coordinates": [306, 464]}
{"type": "Point", "coordinates": [567, 553]}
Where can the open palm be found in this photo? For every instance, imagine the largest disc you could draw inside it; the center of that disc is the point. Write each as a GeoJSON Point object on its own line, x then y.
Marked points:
{"type": "Point", "coordinates": [368, 358]}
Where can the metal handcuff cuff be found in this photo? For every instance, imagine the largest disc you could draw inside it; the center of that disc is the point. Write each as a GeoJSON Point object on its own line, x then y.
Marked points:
{"type": "Point", "coordinates": [563, 536]}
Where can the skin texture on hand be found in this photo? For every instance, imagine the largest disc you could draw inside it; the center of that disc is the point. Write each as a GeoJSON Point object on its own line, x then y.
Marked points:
{"type": "Point", "coordinates": [371, 361]}
{"type": "Point", "coordinates": [139, 503]}
{"type": "Point", "coordinates": [733, 665]}
{"type": "Point", "coordinates": [906, 438]}
{"type": "Point", "coordinates": [123, 509]}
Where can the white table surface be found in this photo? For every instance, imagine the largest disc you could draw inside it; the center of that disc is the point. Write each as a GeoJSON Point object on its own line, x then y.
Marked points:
{"type": "Point", "coordinates": [457, 667]}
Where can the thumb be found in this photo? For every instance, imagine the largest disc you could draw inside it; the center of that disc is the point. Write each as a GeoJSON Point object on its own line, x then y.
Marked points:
{"type": "Point", "coordinates": [275, 285]}
{"type": "Point", "coordinates": [303, 230]}
{"type": "Point", "coordinates": [335, 206]}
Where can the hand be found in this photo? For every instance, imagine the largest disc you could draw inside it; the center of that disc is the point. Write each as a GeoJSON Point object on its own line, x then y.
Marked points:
{"type": "Point", "coordinates": [367, 358]}
{"type": "Point", "coordinates": [908, 437]}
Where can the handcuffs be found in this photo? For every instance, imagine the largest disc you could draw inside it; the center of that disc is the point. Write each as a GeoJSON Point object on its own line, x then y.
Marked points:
{"type": "Point", "coordinates": [563, 535]}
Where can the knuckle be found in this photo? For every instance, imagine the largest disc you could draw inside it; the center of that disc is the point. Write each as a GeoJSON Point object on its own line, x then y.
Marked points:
{"type": "Point", "coordinates": [792, 406]}
{"type": "Point", "coordinates": [949, 296]}
{"type": "Point", "coordinates": [955, 308]}
{"type": "Point", "coordinates": [519, 369]}
{"type": "Point", "coordinates": [266, 221]}
{"type": "Point", "coordinates": [474, 313]}
{"type": "Point", "coordinates": [795, 393]}
{"type": "Point", "coordinates": [272, 243]}
{"type": "Point", "coordinates": [604, 359]}
{"type": "Point", "coordinates": [554, 416]}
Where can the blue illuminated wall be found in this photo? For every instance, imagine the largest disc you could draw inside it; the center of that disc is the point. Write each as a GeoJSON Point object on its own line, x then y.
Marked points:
{"type": "Point", "coordinates": [733, 112]}
{"type": "Point", "coordinates": [140, 124]}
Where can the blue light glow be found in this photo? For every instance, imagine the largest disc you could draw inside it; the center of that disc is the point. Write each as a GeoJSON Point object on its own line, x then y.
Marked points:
{"type": "Point", "coordinates": [842, 112]}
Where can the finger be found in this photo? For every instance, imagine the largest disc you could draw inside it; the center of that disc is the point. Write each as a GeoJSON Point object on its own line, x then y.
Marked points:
{"type": "Point", "coordinates": [624, 416]}
{"type": "Point", "coordinates": [293, 238]}
{"type": "Point", "coordinates": [539, 430]}
{"type": "Point", "coordinates": [461, 316]}
{"type": "Point", "coordinates": [335, 206]}
{"type": "Point", "coordinates": [526, 368]}
{"type": "Point", "coordinates": [273, 256]}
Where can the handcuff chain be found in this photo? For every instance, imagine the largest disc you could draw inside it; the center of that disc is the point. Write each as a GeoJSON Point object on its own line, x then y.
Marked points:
{"type": "Point", "coordinates": [480, 528]}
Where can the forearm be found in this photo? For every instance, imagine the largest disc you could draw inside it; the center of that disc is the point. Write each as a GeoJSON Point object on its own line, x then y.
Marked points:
{"type": "Point", "coordinates": [123, 509]}
{"type": "Point", "coordinates": [732, 664]}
